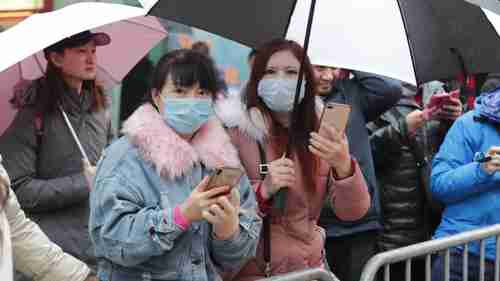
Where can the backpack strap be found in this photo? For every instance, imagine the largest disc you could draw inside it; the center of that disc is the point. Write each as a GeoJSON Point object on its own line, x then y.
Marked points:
{"type": "Point", "coordinates": [38, 124]}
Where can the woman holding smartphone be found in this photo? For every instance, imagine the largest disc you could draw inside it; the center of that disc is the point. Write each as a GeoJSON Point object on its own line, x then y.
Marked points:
{"type": "Point", "coordinates": [152, 214]}
{"type": "Point", "coordinates": [318, 169]}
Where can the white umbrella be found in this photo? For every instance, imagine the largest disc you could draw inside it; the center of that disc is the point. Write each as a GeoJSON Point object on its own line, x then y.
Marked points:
{"type": "Point", "coordinates": [147, 4]}
{"type": "Point", "coordinates": [350, 41]}
{"type": "Point", "coordinates": [491, 5]}
{"type": "Point", "coordinates": [41, 30]}
{"type": "Point", "coordinates": [132, 35]}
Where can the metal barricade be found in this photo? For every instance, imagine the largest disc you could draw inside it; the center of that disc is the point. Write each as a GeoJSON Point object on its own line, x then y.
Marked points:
{"type": "Point", "coordinates": [428, 248]}
{"type": "Point", "coordinates": [305, 275]}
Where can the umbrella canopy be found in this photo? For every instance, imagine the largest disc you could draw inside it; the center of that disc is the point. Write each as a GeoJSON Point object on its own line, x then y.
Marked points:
{"type": "Point", "coordinates": [411, 40]}
{"type": "Point", "coordinates": [147, 4]}
{"type": "Point", "coordinates": [491, 5]}
{"type": "Point", "coordinates": [491, 9]}
{"type": "Point", "coordinates": [132, 35]}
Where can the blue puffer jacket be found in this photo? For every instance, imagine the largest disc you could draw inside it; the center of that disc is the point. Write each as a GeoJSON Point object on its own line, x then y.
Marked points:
{"type": "Point", "coordinates": [140, 180]}
{"type": "Point", "coordinates": [471, 196]}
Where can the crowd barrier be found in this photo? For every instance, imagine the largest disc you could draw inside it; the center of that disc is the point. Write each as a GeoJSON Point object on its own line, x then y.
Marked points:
{"type": "Point", "coordinates": [427, 249]}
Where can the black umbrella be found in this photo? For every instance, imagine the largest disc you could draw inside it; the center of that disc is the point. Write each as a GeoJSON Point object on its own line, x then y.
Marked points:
{"type": "Point", "coordinates": [443, 38]}
{"type": "Point", "coordinates": [441, 34]}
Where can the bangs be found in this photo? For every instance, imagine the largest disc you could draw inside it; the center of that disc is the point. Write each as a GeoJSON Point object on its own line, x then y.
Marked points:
{"type": "Point", "coordinates": [187, 74]}
{"type": "Point", "coordinates": [185, 68]}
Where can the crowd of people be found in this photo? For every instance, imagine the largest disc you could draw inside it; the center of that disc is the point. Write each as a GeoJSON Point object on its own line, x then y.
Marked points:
{"type": "Point", "coordinates": [405, 170]}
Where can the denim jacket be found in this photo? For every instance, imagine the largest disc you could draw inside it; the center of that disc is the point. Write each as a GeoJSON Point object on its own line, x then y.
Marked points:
{"type": "Point", "coordinates": [140, 179]}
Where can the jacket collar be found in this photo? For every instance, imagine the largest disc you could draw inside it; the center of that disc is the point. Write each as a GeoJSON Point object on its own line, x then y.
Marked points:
{"type": "Point", "coordinates": [74, 102]}
{"type": "Point", "coordinates": [171, 155]}
{"type": "Point", "coordinates": [252, 122]}
{"type": "Point", "coordinates": [409, 102]}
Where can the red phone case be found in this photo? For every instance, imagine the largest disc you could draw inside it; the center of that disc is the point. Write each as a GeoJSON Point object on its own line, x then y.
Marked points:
{"type": "Point", "coordinates": [439, 100]}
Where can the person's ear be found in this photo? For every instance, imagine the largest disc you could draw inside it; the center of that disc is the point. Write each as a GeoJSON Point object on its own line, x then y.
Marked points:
{"type": "Point", "coordinates": [56, 59]}
{"type": "Point", "coordinates": [156, 97]}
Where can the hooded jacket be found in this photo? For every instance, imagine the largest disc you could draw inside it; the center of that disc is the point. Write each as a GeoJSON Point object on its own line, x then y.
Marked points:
{"type": "Point", "coordinates": [470, 195]}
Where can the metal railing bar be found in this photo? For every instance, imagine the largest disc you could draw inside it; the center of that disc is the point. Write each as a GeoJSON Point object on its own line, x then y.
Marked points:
{"type": "Point", "coordinates": [387, 272]}
{"type": "Point", "coordinates": [481, 260]}
{"type": "Point", "coordinates": [421, 249]}
{"type": "Point", "coordinates": [428, 267]}
{"type": "Point", "coordinates": [497, 259]}
{"type": "Point", "coordinates": [408, 270]}
{"type": "Point", "coordinates": [465, 263]}
{"type": "Point", "coordinates": [447, 265]}
{"type": "Point", "coordinates": [310, 274]}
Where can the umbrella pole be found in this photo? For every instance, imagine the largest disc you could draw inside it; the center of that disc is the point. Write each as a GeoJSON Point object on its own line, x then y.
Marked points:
{"type": "Point", "coordinates": [467, 96]}
{"type": "Point", "coordinates": [280, 197]}
{"type": "Point", "coordinates": [73, 133]}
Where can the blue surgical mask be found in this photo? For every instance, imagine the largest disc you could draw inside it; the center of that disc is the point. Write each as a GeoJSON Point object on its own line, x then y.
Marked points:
{"type": "Point", "coordinates": [279, 93]}
{"type": "Point", "coordinates": [186, 115]}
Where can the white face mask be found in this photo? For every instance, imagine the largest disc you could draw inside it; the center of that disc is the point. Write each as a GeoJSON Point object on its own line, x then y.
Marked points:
{"type": "Point", "coordinates": [279, 93]}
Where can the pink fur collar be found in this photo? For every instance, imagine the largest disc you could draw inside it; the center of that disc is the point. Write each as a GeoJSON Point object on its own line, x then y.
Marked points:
{"type": "Point", "coordinates": [171, 155]}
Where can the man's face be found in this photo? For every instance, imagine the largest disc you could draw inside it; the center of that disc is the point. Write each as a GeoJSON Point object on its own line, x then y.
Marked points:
{"type": "Point", "coordinates": [79, 63]}
{"type": "Point", "coordinates": [325, 77]}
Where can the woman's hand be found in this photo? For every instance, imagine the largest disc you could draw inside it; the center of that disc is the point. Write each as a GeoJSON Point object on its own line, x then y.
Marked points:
{"type": "Point", "coordinates": [415, 120]}
{"type": "Point", "coordinates": [200, 199]}
{"type": "Point", "coordinates": [89, 171]}
{"type": "Point", "coordinates": [493, 165]}
{"type": "Point", "coordinates": [224, 215]}
{"type": "Point", "coordinates": [281, 173]}
{"type": "Point", "coordinates": [450, 111]}
{"type": "Point", "coordinates": [334, 149]}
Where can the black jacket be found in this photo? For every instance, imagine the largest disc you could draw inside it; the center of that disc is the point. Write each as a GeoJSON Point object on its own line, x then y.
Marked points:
{"type": "Point", "coordinates": [402, 164]}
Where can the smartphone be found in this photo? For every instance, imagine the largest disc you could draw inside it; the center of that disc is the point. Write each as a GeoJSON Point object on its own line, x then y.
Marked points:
{"type": "Point", "coordinates": [336, 115]}
{"type": "Point", "coordinates": [225, 176]}
{"type": "Point", "coordinates": [438, 100]}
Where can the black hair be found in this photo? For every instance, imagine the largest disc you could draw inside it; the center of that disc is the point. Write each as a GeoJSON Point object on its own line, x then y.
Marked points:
{"type": "Point", "coordinates": [186, 68]}
{"type": "Point", "coordinates": [201, 47]}
{"type": "Point", "coordinates": [252, 54]}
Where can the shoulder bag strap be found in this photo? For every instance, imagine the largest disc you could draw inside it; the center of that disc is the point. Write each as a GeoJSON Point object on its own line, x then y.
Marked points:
{"type": "Point", "coordinates": [266, 228]}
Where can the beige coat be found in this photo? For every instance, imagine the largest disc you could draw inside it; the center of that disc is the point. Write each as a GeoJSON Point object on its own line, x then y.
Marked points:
{"type": "Point", "coordinates": [5, 249]}
{"type": "Point", "coordinates": [34, 254]}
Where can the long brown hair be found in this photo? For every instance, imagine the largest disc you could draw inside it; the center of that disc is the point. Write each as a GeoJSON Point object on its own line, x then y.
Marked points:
{"type": "Point", "coordinates": [305, 120]}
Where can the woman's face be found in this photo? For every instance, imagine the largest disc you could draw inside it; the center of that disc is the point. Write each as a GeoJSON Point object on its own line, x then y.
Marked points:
{"type": "Point", "coordinates": [79, 63]}
{"type": "Point", "coordinates": [172, 90]}
{"type": "Point", "coordinates": [282, 64]}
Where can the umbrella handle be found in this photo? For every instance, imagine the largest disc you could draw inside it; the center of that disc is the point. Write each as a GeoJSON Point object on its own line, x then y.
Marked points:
{"type": "Point", "coordinates": [73, 133]}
